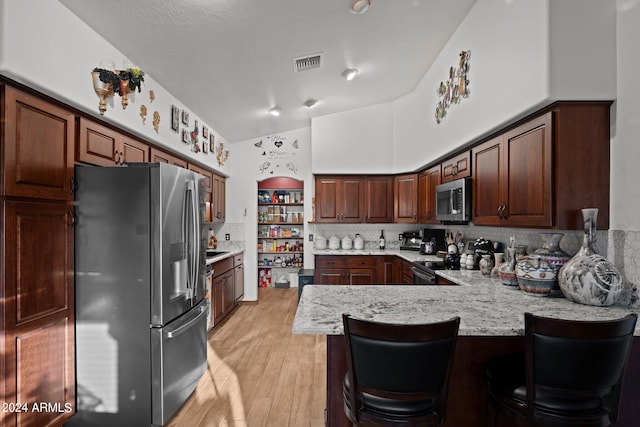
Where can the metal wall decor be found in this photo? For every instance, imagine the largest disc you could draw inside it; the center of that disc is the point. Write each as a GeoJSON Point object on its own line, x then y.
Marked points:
{"type": "Point", "coordinates": [455, 87]}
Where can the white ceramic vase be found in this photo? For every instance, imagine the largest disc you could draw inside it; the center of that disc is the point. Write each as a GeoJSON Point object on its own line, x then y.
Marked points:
{"type": "Point", "coordinates": [589, 278]}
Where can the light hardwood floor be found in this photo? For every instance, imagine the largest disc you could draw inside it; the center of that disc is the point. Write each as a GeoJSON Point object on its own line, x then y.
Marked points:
{"type": "Point", "coordinates": [259, 373]}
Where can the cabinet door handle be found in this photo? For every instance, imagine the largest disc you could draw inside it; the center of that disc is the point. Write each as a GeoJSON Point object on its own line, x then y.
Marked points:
{"type": "Point", "coordinates": [73, 185]}
{"type": "Point", "coordinates": [74, 219]}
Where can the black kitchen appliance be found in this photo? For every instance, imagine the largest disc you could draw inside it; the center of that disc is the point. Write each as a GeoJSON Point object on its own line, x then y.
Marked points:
{"type": "Point", "coordinates": [410, 241]}
{"type": "Point", "coordinates": [424, 272]}
{"type": "Point", "coordinates": [432, 241]}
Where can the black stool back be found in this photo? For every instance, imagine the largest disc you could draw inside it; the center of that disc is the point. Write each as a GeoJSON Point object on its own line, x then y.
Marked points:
{"type": "Point", "coordinates": [573, 372]}
{"type": "Point", "coordinates": [397, 373]}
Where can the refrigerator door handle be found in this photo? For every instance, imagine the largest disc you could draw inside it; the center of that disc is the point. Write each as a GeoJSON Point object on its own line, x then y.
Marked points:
{"type": "Point", "coordinates": [186, 326]}
{"type": "Point", "coordinates": [190, 233]}
{"type": "Point", "coordinates": [196, 236]}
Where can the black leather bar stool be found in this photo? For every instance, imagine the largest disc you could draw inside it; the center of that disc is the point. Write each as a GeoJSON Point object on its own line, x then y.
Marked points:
{"type": "Point", "coordinates": [571, 373]}
{"type": "Point", "coordinates": [397, 374]}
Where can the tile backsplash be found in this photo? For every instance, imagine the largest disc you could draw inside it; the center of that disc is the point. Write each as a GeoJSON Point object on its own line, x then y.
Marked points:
{"type": "Point", "coordinates": [621, 247]}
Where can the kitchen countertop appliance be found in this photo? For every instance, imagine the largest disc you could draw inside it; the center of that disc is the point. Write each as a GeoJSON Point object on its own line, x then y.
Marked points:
{"type": "Point", "coordinates": [410, 241]}
{"type": "Point", "coordinates": [141, 312]}
{"type": "Point", "coordinates": [432, 241]}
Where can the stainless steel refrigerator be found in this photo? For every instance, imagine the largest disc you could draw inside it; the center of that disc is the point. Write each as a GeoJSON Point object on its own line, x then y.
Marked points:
{"type": "Point", "coordinates": [141, 340]}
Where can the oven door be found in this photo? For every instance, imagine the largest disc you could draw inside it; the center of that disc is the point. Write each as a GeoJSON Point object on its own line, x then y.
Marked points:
{"type": "Point", "coordinates": [421, 277]}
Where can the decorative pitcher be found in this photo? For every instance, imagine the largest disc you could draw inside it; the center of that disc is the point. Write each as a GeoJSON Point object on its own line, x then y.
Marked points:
{"type": "Point", "coordinates": [588, 278]}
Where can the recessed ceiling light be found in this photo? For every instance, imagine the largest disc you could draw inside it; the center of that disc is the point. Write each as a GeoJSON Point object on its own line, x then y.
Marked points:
{"type": "Point", "coordinates": [310, 103]}
{"type": "Point", "coordinates": [275, 111]}
{"type": "Point", "coordinates": [360, 6]}
{"type": "Point", "coordinates": [349, 73]}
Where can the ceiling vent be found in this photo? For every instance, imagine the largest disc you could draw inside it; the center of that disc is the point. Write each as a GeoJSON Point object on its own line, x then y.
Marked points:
{"type": "Point", "coordinates": [307, 63]}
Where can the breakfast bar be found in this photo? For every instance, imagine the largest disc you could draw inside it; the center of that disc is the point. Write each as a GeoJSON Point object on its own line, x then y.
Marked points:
{"type": "Point", "coordinates": [492, 324]}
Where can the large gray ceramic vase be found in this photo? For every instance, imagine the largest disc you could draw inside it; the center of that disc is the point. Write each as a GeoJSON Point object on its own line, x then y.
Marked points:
{"type": "Point", "coordinates": [588, 278]}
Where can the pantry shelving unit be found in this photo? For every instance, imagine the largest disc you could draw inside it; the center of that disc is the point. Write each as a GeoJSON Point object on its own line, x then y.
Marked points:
{"type": "Point", "coordinates": [280, 230]}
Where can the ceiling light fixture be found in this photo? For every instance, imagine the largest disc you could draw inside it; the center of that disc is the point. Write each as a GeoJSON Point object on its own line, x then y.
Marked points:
{"type": "Point", "coordinates": [310, 103]}
{"type": "Point", "coordinates": [349, 73]}
{"type": "Point", "coordinates": [275, 111]}
{"type": "Point", "coordinates": [360, 6]}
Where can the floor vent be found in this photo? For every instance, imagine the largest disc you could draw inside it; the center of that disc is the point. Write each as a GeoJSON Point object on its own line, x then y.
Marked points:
{"type": "Point", "coordinates": [307, 63]}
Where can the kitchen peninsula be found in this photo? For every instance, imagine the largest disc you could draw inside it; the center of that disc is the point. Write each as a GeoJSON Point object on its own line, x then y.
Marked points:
{"type": "Point", "coordinates": [492, 324]}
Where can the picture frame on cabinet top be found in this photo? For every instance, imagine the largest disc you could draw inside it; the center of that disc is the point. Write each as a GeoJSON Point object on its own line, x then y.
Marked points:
{"type": "Point", "coordinates": [212, 143]}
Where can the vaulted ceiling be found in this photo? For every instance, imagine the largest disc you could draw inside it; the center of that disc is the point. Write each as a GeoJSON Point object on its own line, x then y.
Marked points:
{"type": "Point", "coordinates": [229, 61]}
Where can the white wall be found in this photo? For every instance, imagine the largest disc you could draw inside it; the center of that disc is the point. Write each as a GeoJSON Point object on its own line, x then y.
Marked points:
{"type": "Point", "coordinates": [508, 75]}
{"type": "Point", "coordinates": [256, 160]}
{"type": "Point", "coordinates": [582, 37]}
{"type": "Point", "coordinates": [625, 143]}
{"type": "Point", "coordinates": [358, 141]}
{"type": "Point", "coordinates": [46, 47]}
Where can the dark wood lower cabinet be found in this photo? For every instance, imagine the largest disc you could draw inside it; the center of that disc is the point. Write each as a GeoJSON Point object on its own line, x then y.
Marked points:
{"type": "Point", "coordinates": [467, 400]}
{"type": "Point", "coordinates": [224, 292]}
{"type": "Point", "coordinates": [38, 312]}
{"type": "Point", "coordinates": [356, 269]}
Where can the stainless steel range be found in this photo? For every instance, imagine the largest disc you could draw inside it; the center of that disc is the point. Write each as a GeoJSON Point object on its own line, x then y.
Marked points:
{"type": "Point", "coordinates": [424, 272]}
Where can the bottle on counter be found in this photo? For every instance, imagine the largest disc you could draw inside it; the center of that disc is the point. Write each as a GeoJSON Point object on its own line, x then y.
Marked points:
{"type": "Point", "coordinates": [382, 242]}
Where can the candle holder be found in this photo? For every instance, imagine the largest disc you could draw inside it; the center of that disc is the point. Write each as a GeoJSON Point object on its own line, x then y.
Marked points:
{"type": "Point", "coordinates": [103, 89]}
{"type": "Point", "coordinates": [107, 83]}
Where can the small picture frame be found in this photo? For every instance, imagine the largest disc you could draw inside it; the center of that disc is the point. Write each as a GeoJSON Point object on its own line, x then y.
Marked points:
{"type": "Point", "coordinates": [185, 136]}
{"type": "Point", "coordinates": [205, 149]}
{"type": "Point", "coordinates": [205, 132]}
{"type": "Point", "coordinates": [185, 117]}
{"type": "Point", "coordinates": [175, 118]}
{"type": "Point", "coordinates": [212, 143]}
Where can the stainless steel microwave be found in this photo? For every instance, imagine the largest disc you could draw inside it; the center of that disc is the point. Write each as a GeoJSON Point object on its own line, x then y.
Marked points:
{"type": "Point", "coordinates": [453, 201]}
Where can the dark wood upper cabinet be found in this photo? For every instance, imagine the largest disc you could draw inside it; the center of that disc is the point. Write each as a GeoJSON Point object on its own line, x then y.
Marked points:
{"type": "Point", "coordinates": [339, 199]}
{"type": "Point", "coordinates": [208, 176]}
{"type": "Point", "coordinates": [134, 151]}
{"type": "Point", "coordinates": [37, 147]}
{"type": "Point", "coordinates": [218, 202]}
{"type": "Point", "coordinates": [378, 199]}
{"type": "Point", "coordinates": [159, 156]}
{"type": "Point", "coordinates": [512, 181]}
{"type": "Point", "coordinates": [456, 167]}
{"type": "Point", "coordinates": [405, 190]}
{"type": "Point", "coordinates": [427, 182]}
{"type": "Point", "coordinates": [103, 146]}
{"type": "Point", "coordinates": [543, 171]}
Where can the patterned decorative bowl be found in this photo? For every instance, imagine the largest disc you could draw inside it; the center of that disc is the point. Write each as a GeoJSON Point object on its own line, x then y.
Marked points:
{"type": "Point", "coordinates": [508, 278]}
{"type": "Point", "coordinates": [535, 276]}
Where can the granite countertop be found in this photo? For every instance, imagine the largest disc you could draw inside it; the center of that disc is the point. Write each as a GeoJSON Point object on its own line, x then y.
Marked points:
{"type": "Point", "coordinates": [404, 254]}
{"type": "Point", "coordinates": [226, 254]}
{"type": "Point", "coordinates": [486, 307]}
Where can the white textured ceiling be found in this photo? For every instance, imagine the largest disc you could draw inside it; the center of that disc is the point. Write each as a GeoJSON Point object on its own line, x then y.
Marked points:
{"type": "Point", "coordinates": [229, 61]}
